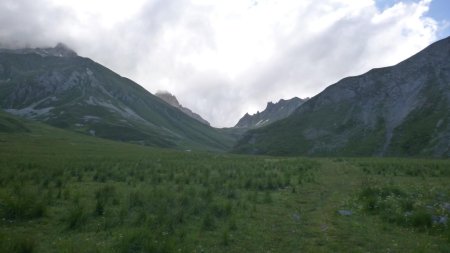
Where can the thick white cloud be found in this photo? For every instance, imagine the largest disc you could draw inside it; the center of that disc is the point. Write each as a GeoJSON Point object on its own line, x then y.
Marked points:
{"type": "Point", "coordinates": [224, 58]}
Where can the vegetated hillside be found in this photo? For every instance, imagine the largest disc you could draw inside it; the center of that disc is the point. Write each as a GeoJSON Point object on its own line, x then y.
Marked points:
{"type": "Point", "coordinates": [272, 113]}
{"type": "Point", "coordinates": [56, 86]}
{"type": "Point", "coordinates": [173, 101]}
{"type": "Point", "coordinates": [10, 124]}
{"type": "Point", "coordinates": [62, 191]}
{"type": "Point", "coordinates": [403, 110]}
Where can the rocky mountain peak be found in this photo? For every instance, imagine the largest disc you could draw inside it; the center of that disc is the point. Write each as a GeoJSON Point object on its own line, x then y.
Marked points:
{"type": "Point", "coordinates": [60, 50]}
{"type": "Point", "coordinates": [173, 101]}
{"type": "Point", "coordinates": [272, 113]}
{"type": "Point", "coordinates": [168, 98]}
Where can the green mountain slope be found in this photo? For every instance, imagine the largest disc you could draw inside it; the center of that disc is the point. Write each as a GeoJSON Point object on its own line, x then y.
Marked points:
{"type": "Point", "coordinates": [58, 87]}
{"type": "Point", "coordinates": [9, 124]}
{"type": "Point", "coordinates": [403, 110]}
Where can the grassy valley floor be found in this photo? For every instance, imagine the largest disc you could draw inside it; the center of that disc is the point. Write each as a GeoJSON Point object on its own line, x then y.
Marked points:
{"type": "Point", "coordinates": [64, 192]}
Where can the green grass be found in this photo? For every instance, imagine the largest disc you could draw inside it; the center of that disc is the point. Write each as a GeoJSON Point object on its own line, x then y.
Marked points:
{"type": "Point", "coordinates": [64, 192]}
{"type": "Point", "coordinates": [11, 124]}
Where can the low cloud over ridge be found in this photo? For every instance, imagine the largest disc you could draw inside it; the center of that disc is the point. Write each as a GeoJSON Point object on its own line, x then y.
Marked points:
{"type": "Point", "coordinates": [224, 58]}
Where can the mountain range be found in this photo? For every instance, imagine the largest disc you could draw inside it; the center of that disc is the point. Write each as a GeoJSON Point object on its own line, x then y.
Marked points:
{"type": "Point", "coordinates": [60, 88]}
{"type": "Point", "coordinates": [403, 110]}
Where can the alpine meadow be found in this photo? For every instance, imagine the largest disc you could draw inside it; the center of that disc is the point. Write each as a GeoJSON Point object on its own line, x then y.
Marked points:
{"type": "Point", "coordinates": [92, 161]}
{"type": "Point", "coordinates": [67, 192]}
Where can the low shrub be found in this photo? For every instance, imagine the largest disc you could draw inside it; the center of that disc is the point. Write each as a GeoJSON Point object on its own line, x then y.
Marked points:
{"type": "Point", "coordinates": [21, 205]}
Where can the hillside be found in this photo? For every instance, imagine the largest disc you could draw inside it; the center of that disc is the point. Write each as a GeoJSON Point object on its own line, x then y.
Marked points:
{"type": "Point", "coordinates": [403, 110]}
{"type": "Point", "coordinates": [56, 86]}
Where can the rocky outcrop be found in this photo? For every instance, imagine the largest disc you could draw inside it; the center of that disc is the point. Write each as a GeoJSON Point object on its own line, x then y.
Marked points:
{"type": "Point", "coordinates": [60, 50]}
{"type": "Point", "coordinates": [272, 113]}
{"type": "Point", "coordinates": [173, 101]}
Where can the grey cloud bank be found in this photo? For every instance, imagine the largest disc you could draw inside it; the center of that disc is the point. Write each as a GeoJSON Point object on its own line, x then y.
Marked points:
{"type": "Point", "coordinates": [225, 58]}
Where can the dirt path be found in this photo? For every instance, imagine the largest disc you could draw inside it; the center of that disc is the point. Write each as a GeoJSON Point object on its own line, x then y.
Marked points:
{"type": "Point", "coordinates": [319, 202]}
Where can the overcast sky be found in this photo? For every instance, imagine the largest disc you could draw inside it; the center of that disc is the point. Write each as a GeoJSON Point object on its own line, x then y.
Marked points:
{"type": "Point", "coordinates": [224, 58]}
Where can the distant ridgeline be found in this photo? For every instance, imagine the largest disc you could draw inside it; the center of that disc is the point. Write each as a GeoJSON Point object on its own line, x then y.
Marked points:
{"type": "Point", "coordinates": [403, 110]}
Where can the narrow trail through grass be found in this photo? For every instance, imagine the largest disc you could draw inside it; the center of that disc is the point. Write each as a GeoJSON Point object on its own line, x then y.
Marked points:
{"type": "Point", "coordinates": [336, 187]}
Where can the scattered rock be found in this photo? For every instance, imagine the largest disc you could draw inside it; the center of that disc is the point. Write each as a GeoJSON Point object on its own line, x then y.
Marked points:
{"type": "Point", "coordinates": [296, 216]}
{"type": "Point", "coordinates": [441, 220]}
{"type": "Point", "coordinates": [345, 212]}
{"type": "Point", "coordinates": [408, 214]}
{"type": "Point", "coordinates": [446, 206]}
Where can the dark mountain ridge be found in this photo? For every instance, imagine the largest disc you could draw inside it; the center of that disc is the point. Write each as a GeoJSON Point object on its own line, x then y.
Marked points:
{"type": "Point", "coordinates": [403, 110]}
{"type": "Point", "coordinates": [58, 87]}
{"type": "Point", "coordinates": [272, 112]}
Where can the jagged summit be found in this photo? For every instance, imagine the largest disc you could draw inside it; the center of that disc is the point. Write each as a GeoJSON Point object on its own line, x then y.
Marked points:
{"type": "Point", "coordinates": [272, 113]}
{"type": "Point", "coordinates": [168, 98]}
{"type": "Point", "coordinates": [60, 50]}
{"type": "Point", "coordinates": [173, 101]}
